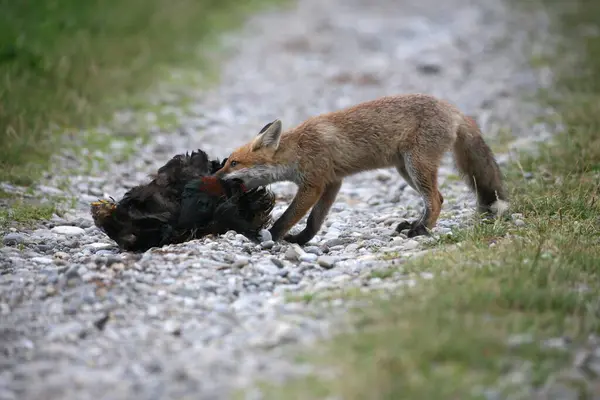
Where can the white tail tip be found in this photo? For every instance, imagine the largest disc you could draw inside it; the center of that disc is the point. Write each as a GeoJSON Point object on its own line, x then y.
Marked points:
{"type": "Point", "coordinates": [499, 207]}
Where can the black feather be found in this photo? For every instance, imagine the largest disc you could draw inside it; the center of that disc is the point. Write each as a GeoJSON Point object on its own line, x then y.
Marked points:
{"type": "Point", "coordinates": [177, 205]}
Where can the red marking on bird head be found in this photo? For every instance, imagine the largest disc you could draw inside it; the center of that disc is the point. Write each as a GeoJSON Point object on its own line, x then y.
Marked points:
{"type": "Point", "coordinates": [212, 185]}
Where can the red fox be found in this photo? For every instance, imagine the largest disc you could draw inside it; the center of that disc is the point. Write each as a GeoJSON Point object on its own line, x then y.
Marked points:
{"type": "Point", "coordinates": [410, 132]}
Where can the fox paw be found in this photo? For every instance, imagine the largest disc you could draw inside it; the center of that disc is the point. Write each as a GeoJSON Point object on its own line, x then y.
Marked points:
{"type": "Point", "coordinates": [403, 226]}
{"type": "Point", "coordinates": [297, 239]}
{"type": "Point", "coordinates": [415, 228]}
{"type": "Point", "coordinates": [290, 238]}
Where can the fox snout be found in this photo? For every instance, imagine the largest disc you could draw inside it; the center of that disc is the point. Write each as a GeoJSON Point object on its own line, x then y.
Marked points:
{"type": "Point", "coordinates": [220, 174]}
{"type": "Point", "coordinates": [224, 173]}
{"type": "Point", "coordinates": [229, 177]}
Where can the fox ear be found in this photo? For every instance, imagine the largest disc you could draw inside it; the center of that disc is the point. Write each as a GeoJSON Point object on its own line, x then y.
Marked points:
{"type": "Point", "coordinates": [268, 136]}
{"type": "Point", "coordinates": [265, 128]}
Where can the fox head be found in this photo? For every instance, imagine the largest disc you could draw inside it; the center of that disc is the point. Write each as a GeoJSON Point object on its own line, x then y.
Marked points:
{"type": "Point", "coordinates": [255, 163]}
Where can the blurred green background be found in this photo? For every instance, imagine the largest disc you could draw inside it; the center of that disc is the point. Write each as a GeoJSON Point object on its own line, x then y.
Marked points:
{"type": "Point", "coordinates": [66, 62]}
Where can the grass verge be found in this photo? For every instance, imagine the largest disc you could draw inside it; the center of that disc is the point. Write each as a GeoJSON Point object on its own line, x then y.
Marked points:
{"type": "Point", "coordinates": [67, 64]}
{"type": "Point", "coordinates": [512, 305]}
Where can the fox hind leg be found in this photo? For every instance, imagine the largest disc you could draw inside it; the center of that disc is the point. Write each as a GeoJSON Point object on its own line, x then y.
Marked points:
{"type": "Point", "coordinates": [401, 168]}
{"type": "Point", "coordinates": [317, 215]}
{"type": "Point", "coordinates": [421, 175]}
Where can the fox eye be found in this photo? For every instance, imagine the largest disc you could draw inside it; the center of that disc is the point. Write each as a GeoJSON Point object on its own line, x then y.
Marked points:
{"type": "Point", "coordinates": [233, 163]}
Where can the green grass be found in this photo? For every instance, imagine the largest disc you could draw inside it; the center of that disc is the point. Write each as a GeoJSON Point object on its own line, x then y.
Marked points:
{"type": "Point", "coordinates": [382, 273]}
{"type": "Point", "coordinates": [501, 141]}
{"type": "Point", "coordinates": [331, 294]}
{"type": "Point", "coordinates": [67, 65]}
{"type": "Point", "coordinates": [23, 212]}
{"type": "Point", "coordinates": [502, 290]}
{"type": "Point", "coordinates": [26, 211]}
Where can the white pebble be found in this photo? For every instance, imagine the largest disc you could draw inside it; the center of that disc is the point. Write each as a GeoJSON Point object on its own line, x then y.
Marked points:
{"type": "Point", "coordinates": [410, 244]}
{"type": "Point", "coordinates": [308, 257]}
{"type": "Point", "coordinates": [68, 230]}
{"type": "Point", "coordinates": [265, 236]}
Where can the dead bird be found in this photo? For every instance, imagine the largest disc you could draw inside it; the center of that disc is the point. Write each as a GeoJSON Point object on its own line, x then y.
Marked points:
{"type": "Point", "coordinates": [183, 201]}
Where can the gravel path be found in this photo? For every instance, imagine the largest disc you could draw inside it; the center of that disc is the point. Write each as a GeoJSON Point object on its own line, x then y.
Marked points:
{"type": "Point", "coordinates": [79, 320]}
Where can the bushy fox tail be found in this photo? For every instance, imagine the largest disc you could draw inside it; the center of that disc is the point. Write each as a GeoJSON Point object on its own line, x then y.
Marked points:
{"type": "Point", "coordinates": [476, 162]}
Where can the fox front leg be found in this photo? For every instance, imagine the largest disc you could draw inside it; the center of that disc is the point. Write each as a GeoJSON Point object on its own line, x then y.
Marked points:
{"type": "Point", "coordinates": [317, 215]}
{"type": "Point", "coordinates": [303, 201]}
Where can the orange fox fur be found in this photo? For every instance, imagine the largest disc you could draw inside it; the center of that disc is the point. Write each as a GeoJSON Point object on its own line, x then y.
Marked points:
{"type": "Point", "coordinates": [410, 132]}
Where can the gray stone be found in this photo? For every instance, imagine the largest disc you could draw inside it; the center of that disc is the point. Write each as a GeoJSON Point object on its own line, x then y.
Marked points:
{"type": "Point", "coordinates": [42, 260]}
{"type": "Point", "coordinates": [326, 261]}
{"type": "Point", "coordinates": [265, 236]}
{"type": "Point", "coordinates": [50, 190]}
{"type": "Point", "coordinates": [239, 264]}
{"type": "Point", "coordinates": [308, 257]}
{"type": "Point", "coordinates": [172, 327]}
{"type": "Point", "coordinates": [293, 252]}
{"type": "Point", "coordinates": [83, 223]}
{"type": "Point", "coordinates": [335, 242]}
{"type": "Point", "coordinates": [313, 250]}
{"type": "Point", "coordinates": [68, 230]}
{"type": "Point", "coordinates": [294, 277]}
{"type": "Point", "coordinates": [267, 268]}
{"type": "Point", "coordinates": [268, 244]}
{"type": "Point", "coordinates": [13, 238]}
{"type": "Point", "coordinates": [102, 253]}
{"type": "Point", "coordinates": [410, 244]}
{"type": "Point", "coordinates": [277, 262]}
{"type": "Point", "coordinates": [66, 331]}
{"type": "Point", "coordinates": [100, 246]}
{"type": "Point", "coordinates": [44, 248]}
